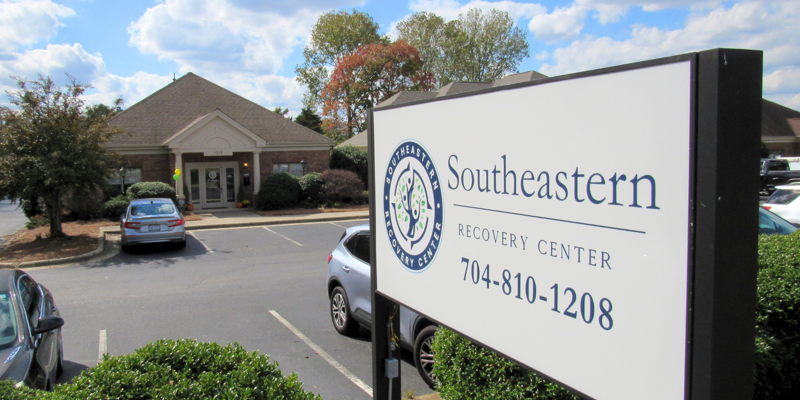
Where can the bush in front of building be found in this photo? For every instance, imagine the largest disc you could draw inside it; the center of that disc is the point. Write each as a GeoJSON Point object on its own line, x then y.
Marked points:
{"type": "Point", "coordinates": [777, 370]}
{"type": "Point", "coordinates": [311, 188]}
{"type": "Point", "coordinates": [84, 205]}
{"type": "Point", "coordinates": [351, 159]}
{"type": "Point", "coordinates": [466, 371]}
{"type": "Point", "coordinates": [341, 185]}
{"type": "Point", "coordinates": [177, 369]}
{"type": "Point", "coordinates": [278, 191]}
{"type": "Point", "coordinates": [151, 190]}
{"type": "Point", "coordinates": [115, 207]}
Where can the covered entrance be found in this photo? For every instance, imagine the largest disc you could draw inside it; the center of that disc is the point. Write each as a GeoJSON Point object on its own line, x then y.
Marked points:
{"type": "Point", "coordinates": [213, 185]}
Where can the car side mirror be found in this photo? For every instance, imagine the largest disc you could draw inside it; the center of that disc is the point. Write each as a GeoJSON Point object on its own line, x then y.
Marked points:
{"type": "Point", "coordinates": [48, 323]}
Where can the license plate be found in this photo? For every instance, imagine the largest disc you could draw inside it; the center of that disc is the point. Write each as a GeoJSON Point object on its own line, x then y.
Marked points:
{"type": "Point", "coordinates": [152, 228]}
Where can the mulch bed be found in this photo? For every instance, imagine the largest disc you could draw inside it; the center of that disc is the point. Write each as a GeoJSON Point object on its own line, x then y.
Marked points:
{"type": "Point", "coordinates": [35, 245]}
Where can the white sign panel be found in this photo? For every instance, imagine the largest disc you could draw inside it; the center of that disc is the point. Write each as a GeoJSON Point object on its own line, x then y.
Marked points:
{"type": "Point", "coordinates": [549, 222]}
{"type": "Point", "coordinates": [218, 152]}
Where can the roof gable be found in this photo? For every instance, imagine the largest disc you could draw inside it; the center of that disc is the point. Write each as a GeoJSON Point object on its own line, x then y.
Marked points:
{"type": "Point", "coordinates": [173, 108]}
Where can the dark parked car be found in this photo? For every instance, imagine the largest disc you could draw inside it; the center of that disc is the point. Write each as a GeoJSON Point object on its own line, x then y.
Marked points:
{"type": "Point", "coordinates": [771, 224]}
{"type": "Point", "coordinates": [350, 305]}
{"type": "Point", "coordinates": [776, 172]}
{"type": "Point", "coordinates": [30, 332]}
{"type": "Point", "coordinates": [152, 221]}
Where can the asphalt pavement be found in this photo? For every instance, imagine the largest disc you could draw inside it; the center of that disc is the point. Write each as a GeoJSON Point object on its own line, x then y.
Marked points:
{"type": "Point", "coordinates": [263, 287]}
{"type": "Point", "coordinates": [11, 218]}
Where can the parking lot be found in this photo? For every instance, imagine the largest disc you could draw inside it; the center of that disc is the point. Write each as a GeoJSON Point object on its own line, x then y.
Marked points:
{"type": "Point", "coordinates": [263, 287]}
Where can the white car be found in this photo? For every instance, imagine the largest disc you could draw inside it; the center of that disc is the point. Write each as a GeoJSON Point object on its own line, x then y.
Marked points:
{"type": "Point", "coordinates": [785, 202]}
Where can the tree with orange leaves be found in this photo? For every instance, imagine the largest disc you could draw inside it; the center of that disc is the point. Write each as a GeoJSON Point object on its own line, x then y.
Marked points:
{"type": "Point", "coordinates": [366, 77]}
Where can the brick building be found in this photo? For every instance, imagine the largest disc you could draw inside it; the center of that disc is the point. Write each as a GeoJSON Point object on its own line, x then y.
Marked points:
{"type": "Point", "coordinates": [219, 140]}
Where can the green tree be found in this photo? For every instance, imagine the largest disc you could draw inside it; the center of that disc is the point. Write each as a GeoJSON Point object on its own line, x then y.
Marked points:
{"type": "Point", "coordinates": [283, 112]}
{"type": "Point", "coordinates": [309, 119]}
{"type": "Point", "coordinates": [49, 148]}
{"type": "Point", "coordinates": [476, 47]}
{"type": "Point", "coordinates": [97, 112]}
{"type": "Point", "coordinates": [334, 35]}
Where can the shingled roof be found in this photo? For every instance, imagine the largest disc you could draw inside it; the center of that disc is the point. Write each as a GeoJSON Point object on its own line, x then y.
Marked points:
{"type": "Point", "coordinates": [777, 120]}
{"type": "Point", "coordinates": [175, 106]}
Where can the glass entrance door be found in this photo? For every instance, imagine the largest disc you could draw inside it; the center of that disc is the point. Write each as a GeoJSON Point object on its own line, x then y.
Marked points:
{"type": "Point", "coordinates": [214, 190]}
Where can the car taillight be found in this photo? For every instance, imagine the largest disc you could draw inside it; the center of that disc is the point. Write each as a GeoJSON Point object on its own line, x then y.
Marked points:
{"type": "Point", "coordinates": [330, 256]}
{"type": "Point", "coordinates": [132, 225]}
{"type": "Point", "coordinates": [174, 222]}
{"type": "Point", "coordinates": [766, 207]}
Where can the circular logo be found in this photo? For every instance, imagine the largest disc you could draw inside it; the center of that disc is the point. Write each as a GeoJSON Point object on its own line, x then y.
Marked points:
{"type": "Point", "coordinates": [412, 206]}
{"type": "Point", "coordinates": [212, 175]}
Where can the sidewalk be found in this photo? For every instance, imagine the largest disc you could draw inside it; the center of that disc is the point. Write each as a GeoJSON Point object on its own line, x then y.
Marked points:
{"type": "Point", "coordinates": [211, 220]}
{"type": "Point", "coordinates": [244, 218]}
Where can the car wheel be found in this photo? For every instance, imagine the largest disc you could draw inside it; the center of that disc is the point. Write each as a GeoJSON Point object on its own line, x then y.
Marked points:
{"type": "Point", "coordinates": [340, 313]}
{"type": "Point", "coordinates": [423, 354]}
{"type": "Point", "coordinates": [125, 248]}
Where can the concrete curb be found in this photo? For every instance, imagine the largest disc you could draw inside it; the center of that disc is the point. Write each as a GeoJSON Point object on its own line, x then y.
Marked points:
{"type": "Point", "coordinates": [57, 261]}
{"type": "Point", "coordinates": [192, 226]}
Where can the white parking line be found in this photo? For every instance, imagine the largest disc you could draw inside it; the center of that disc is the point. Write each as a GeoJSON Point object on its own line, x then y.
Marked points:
{"type": "Point", "coordinates": [103, 348]}
{"type": "Point", "coordinates": [282, 236]}
{"type": "Point", "coordinates": [358, 382]}
{"type": "Point", "coordinates": [334, 223]}
{"type": "Point", "coordinates": [208, 249]}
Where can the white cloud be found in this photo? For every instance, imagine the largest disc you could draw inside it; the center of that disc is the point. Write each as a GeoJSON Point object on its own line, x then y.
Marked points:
{"type": "Point", "coordinates": [26, 22]}
{"type": "Point", "coordinates": [544, 55]}
{"type": "Point", "coordinates": [610, 11]}
{"type": "Point", "coordinates": [561, 24]}
{"type": "Point", "coordinates": [784, 80]}
{"type": "Point", "coordinates": [450, 9]}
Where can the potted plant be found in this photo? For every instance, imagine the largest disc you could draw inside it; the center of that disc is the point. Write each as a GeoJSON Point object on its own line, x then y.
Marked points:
{"type": "Point", "coordinates": [240, 197]}
{"type": "Point", "coordinates": [246, 203]}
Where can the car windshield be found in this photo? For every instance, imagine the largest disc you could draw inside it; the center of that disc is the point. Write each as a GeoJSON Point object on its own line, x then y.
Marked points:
{"type": "Point", "coordinates": [8, 321]}
{"type": "Point", "coordinates": [141, 210]}
{"type": "Point", "coordinates": [770, 224]}
{"type": "Point", "coordinates": [783, 196]}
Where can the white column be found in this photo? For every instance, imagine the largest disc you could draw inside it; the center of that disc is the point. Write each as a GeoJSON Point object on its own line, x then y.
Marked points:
{"type": "Point", "coordinates": [178, 165]}
{"type": "Point", "coordinates": [256, 171]}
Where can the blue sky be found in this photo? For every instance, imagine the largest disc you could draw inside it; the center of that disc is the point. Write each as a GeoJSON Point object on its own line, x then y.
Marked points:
{"type": "Point", "coordinates": [133, 48]}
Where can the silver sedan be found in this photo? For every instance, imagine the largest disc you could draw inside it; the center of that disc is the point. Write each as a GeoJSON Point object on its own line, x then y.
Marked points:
{"type": "Point", "coordinates": [152, 221]}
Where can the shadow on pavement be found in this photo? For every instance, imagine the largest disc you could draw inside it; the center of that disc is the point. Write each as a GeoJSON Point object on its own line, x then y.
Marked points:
{"type": "Point", "coordinates": [71, 370]}
{"type": "Point", "coordinates": [165, 254]}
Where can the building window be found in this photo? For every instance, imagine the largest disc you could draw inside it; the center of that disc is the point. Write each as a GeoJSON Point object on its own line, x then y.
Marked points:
{"type": "Point", "coordinates": [132, 175]}
{"type": "Point", "coordinates": [296, 169]}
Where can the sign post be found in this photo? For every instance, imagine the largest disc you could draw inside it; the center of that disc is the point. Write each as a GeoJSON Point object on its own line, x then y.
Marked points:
{"type": "Point", "coordinates": [602, 224]}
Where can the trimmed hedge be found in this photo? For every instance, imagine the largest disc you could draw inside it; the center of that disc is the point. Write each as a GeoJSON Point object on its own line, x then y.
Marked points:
{"type": "Point", "coordinates": [279, 191]}
{"type": "Point", "coordinates": [177, 369]}
{"type": "Point", "coordinates": [311, 188]}
{"type": "Point", "coordinates": [777, 369]}
{"type": "Point", "coordinates": [466, 371]}
{"type": "Point", "coordinates": [352, 159]}
{"type": "Point", "coordinates": [341, 185]}
{"type": "Point", "coordinates": [151, 190]}
{"type": "Point", "coordinates": [115, 207]}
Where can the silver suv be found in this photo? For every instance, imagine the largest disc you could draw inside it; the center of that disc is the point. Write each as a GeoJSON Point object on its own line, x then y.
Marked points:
{"type": "Point", "coordinates": [351, 306]}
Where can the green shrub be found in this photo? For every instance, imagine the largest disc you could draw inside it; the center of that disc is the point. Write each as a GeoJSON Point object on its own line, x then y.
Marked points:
{"type": "Point", "coordinates": [84, 206]}
{"type": "Point", "coordinates": [341, 185]}
{"type": "Point", "coordinates": [352, 159]}
{"type": "Point", "coordinates": [311, 188]}
{"type": "Point", "coordinates": [115, 207]}
{"type": "Point", "coordinates": [177, 369]}
{"type": "Point", "coordinates": [9, 392]}
{"type": "Point", "coordinates": [37, 221]}
{"type": "Point", "coordinates": [777, 369]}
{"type": "Point", "coordinates": [466, 371]}
{"type": "Point", "coordinates": [279, 191]}
{"type": "Point", "coordinates": [31, 207]}
{"type": "Point", "coordinates": [150, 190]}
